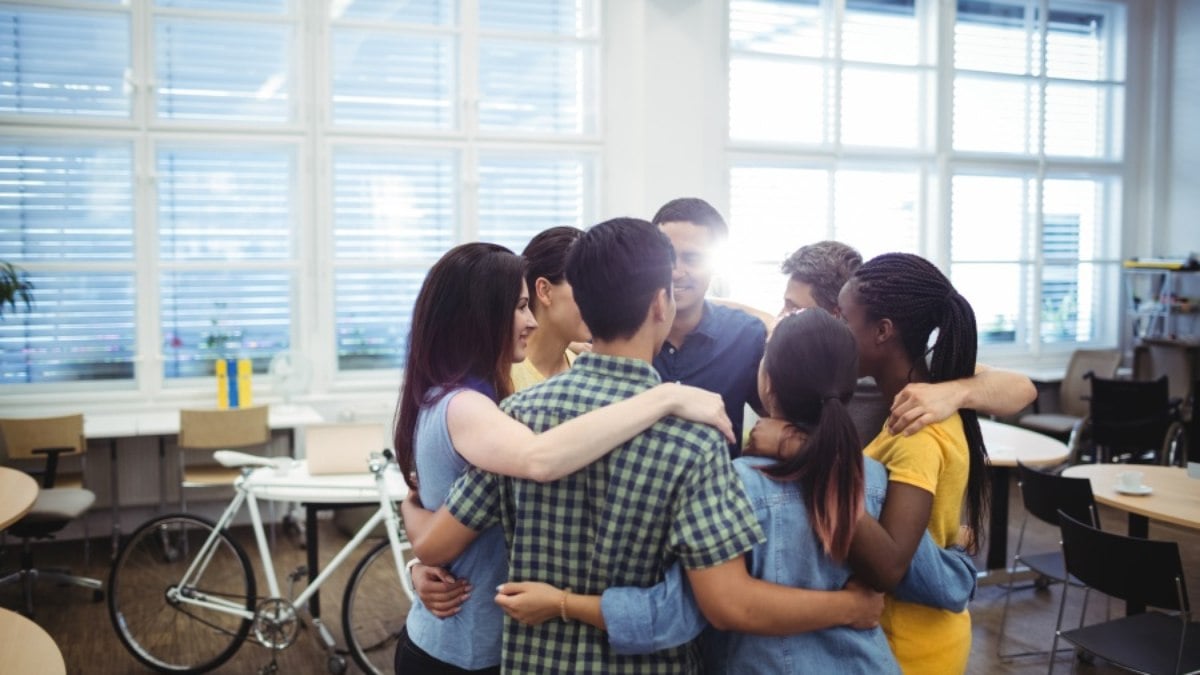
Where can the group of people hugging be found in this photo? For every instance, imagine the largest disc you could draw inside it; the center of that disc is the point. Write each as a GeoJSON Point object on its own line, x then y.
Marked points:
{"type": "Point", "coordinates": [584, 498]}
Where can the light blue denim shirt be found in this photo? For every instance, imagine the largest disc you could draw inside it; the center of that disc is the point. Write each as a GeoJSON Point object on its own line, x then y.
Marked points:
{"type": "Point", "coordinates": [640, 620]}
{"type": "Point", "coordinates": [471, 638]}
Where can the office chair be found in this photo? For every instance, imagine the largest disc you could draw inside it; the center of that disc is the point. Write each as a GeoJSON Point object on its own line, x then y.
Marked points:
{"type": "Point", "coordinates": [48, 438]}
{"type": "Point", "coordinates": [1138, 570]}
{"type": "Point", "coordinates": [1044, 495]}
{"type": "Point", "coordinates": [1067, 426]}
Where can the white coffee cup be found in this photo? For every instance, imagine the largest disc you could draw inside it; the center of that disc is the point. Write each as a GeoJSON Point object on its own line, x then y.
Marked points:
{"type": "Point", "coordinates": [1130, 480]}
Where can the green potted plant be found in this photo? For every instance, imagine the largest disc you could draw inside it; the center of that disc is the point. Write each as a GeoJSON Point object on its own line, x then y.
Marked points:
{"type": "Point", "coordinates": [14, 285]}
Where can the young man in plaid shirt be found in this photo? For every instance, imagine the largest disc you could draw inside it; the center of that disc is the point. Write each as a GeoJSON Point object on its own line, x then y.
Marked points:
{"type": "Point", "coordinates": [669, 494]}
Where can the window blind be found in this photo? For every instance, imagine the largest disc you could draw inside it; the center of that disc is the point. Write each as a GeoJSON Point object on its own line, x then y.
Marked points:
{"type": "Point", "coordinates": [395, 80]}
{"type": "Point", "coordinates": [374, 316]}
{"type": "Point", "coordinates": [520, 197]}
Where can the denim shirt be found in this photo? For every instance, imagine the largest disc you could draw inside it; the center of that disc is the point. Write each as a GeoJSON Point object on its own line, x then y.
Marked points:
{"type": "Point", "coordinates": [471, 638]}
{"type": "Point", "coordinates": [641, 620]}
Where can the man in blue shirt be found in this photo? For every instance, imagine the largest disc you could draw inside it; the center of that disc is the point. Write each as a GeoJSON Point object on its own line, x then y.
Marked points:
{"type": "Point", "coordinates": [709, 346]}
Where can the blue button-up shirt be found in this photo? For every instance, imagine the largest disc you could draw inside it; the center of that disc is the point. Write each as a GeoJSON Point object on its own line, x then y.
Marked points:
{"type": "Point", "coordinates": [720, 355]}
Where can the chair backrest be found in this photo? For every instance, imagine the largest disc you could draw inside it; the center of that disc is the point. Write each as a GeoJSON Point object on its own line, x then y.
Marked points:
{"type": "Point", "coordinates": [1153, 360]}
{"type": "Point", "coordinates": [20, 437]}
{"type": "Point", "coordinates": [1046, 494]}
{"type": "Point", "coordinates": [1138, 570]}
{"type": "Point", "coordinates": [224, 429]}
{"type": "Point", "coordinates": [1074, 389]}
{"type": "Point", "coordinates": [1130, 414]}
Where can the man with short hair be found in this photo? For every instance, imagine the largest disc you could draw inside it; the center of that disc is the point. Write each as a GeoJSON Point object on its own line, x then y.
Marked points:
{"type": "Point", "coordinates": [669, 494]}
{"type": "Point", "coordinates": [711, 346]}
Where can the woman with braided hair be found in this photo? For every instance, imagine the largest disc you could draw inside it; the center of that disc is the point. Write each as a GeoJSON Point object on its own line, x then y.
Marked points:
{"type": "Point", "coordinates": [895, 304]}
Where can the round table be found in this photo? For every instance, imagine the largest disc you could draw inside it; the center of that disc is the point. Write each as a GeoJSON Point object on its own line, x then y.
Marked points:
{"type": "Point", "coordinates": [18, 491]}
{"type": "Point", "coordinates": [1006, 445]}
{"type": "Point", "coordinates": [26, 648]}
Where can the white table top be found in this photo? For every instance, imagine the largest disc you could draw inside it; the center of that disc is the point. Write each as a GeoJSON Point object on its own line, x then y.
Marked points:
{"type": "Point", "coordinates": [297, 485]}
{"type": "Point", "coordinates": [166, 422]}
{"type": "Point", "coordinates": [1006, 444]}
{"type": "Point", "coordinates": [1175, 497]}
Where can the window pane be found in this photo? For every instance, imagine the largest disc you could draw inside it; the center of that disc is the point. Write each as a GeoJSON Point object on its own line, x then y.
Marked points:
{"type": "Point", "coordinates": [256, 6]}
{"type": "Point", "coordinates": [223, 314]}
{"type": "Point", "coordinates": [865, 93]}
{"type": "Point", "coordinates": [1079, 120]}
{"type": "Point", "coordinates": [520, 197]}
{"type": "Point", "coordinates": [989, 217]}
{"type": "Point", "coordinates": [392, 206]}
{"type": "Point", "coordinates": [210, 70]}
{"type": "Point", "coordinates": [998, 37]}
{"type": "Point", "coordinates": [773, 211]}
{"type": "Point", "coordinates": [777, 101]}
{"type": "Point", "coordinates": [393, 80]}
{"type": "Point", "coordinates": [1086, 206]}
{"type": "Point", "coordinates": [995, 293]}
{"type": "Point", "coordinates": [885, 222]}
{"type": "Point", "coordinates": [536, 88]}
{"type": "Point", "coordinates": [374, 316]}
{"type": "Point", "coordinates": [793, 28]}
{"type": "Point", "coordinates": [60, 63]}
{"type": "Point", "coordinates": [995, 115]}
{"type": "Point", "coordinates": [79, 327]}
{"type": "Point", "coordinates": [65, 203]}
{"type": "Point", "coordinates": [561, 17]}
{"type": "Point", "coordinates": [429, 12]}
{"type": "Point", "coordinates": [884, 31]}
{"type": "Point", "coordinates": [224, 204]}
{"type": "Point", "coordinates": [1080, 44]}
{"type": "Point", "coordinates": [1069, 302]}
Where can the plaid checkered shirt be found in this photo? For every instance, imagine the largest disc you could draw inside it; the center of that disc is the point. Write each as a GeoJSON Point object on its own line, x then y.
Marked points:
{"type": "Point", "coordinates": [668, 494]}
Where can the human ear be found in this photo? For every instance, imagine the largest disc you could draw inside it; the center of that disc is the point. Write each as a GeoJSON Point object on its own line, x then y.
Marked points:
{"type": "Point", "coordinates": [541, 289]}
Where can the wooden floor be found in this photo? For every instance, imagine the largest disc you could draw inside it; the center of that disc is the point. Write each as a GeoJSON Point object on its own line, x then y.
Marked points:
{"type": "Point", "coordinates": [83, 631]}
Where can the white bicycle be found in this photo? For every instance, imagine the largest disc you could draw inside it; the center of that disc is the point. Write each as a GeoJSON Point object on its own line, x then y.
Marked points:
{"type": "Point", "coordinates": [183, 612]}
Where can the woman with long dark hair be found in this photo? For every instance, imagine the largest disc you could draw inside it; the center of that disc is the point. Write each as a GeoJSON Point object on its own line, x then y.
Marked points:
{"type": "Point", "coordinates": [470, 323]}
{"type": "Point", "coordinates": [894, 304]}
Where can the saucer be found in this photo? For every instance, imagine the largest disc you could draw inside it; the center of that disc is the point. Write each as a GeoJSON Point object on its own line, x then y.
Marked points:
{"type": "Point", "coordinates": [1138, 491]}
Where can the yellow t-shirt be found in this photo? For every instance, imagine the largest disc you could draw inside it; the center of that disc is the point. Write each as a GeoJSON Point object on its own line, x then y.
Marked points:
{"type": "Point", "coordinates": [524, 375]}
{"type": "Point", "coordinates": [936, 459]}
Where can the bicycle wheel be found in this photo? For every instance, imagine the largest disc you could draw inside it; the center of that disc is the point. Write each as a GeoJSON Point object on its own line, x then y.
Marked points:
{"type": "Point", "coordinates": [161, 632]}
{"type": "Point", "coordinates": [374, 609]}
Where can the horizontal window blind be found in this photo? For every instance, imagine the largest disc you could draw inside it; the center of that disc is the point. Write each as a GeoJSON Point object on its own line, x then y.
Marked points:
{"type": "Point", "coordinates": [80, 327]}
{"type": "Point", "coordinates": [555, 17]}
{"type": "Point", "coordinates": [394, 79]}
{"type": "Point", "coordinates": [220, 70]}
{"type": "Point", "coordinates": [535, 88]}
{"type": "Point", "coordinates": [50, 63]}
{"type": "Point", "coordinates": [374, 316]}
{"type": "Point", "coordinates": [417, 12]}
{"type": "Point", "coordinates": [223, 314]}
{"type": "Point", "coordinates": [520, 197]}
{"type": "Point", "coordinates": [393, 206]}
{"type": "Point", "coordinates": [248, 6]}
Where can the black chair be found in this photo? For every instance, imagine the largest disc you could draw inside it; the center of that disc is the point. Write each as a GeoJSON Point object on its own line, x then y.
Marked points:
{"type": "Point", "coordinates": [1133, 419]}
{"type": "Point", "coordinates": [1138, 570]}
{"type": "Point", "coordinates": [1044, 495]}
{"type": "Point", "coordinates": [1072, 394]}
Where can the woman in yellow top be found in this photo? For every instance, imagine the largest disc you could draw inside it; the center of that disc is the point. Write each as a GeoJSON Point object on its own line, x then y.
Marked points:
{"type": "Point", "coordinates": [893, 304]}
{"type": "Point", "coordinates": [553, 305]}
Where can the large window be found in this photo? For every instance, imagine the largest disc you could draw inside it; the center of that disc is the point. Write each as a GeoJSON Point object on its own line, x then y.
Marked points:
{"type": "Point", "coordinates": [191, 179]}
{"type": "Point", "coordinates": [999, 156]}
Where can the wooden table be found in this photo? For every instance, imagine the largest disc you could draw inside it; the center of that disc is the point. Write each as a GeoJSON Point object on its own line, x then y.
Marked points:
{"type": "Point", "coordinates": [26, 648]}
{"type": "Point", "coordinates": [1006, 445]}
{"type": "Point", "coordinates": [18, 491]}
{"type": "Point", "coordinates": [1175, 500]}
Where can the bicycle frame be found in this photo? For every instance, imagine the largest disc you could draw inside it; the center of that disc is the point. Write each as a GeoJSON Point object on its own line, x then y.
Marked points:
{"type": "Point", "coordinates": [245, 494]}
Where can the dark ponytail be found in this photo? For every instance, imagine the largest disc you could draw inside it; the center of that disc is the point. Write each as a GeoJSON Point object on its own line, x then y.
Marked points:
{"type": "Point", "coordinates": [919, 299]}
{"type": "Point", "coordinates": [812, 363]}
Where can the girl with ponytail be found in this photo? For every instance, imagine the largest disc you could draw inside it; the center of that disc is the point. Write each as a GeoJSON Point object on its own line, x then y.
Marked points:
{"type": "Point", "coordinates": [895, 305]}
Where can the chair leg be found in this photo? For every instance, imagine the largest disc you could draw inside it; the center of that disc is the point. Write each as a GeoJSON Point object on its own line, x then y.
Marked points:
{"type": "Point", "coordinates": [1062, 606]}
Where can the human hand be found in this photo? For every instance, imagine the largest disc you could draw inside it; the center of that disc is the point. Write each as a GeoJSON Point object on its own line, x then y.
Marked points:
{"type": "Point", "coordinates": [529, 602]}
{"type": "Point", "coordinates": [921, 403]}
{"type": "Point", "coordinates": [700, 405]}
{"type": "Point", "coordinates": [439, 591]}
{"type": "Point", "coordinates": [868, 605]}
{"type": "Point", "coordinates": [775, 438]}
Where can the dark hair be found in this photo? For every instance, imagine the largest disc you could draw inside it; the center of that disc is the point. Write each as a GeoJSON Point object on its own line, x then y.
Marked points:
{"type": "Point", "coordinates": [918, 299]}
{"type": "Point", "coordinates": [812, 363]}
{"type": "Point", "coordinates": [615, 269]}
{"type": "Point", "coordinates": [461, 330]}
{"type": "Point", "coordinates": [546, 256]}
{"type": "Point", "coordinates": [693, 210]}
{"type": "Point", "coordinates": [825, 266]}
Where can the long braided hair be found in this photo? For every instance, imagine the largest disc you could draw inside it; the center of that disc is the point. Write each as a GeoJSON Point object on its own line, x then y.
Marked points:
{"type": "Point", "coordinates": [919, 299]}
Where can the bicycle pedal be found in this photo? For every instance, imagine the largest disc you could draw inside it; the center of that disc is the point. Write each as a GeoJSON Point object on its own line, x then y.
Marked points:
{"type": "Point", "coordinates": [298, 573]}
